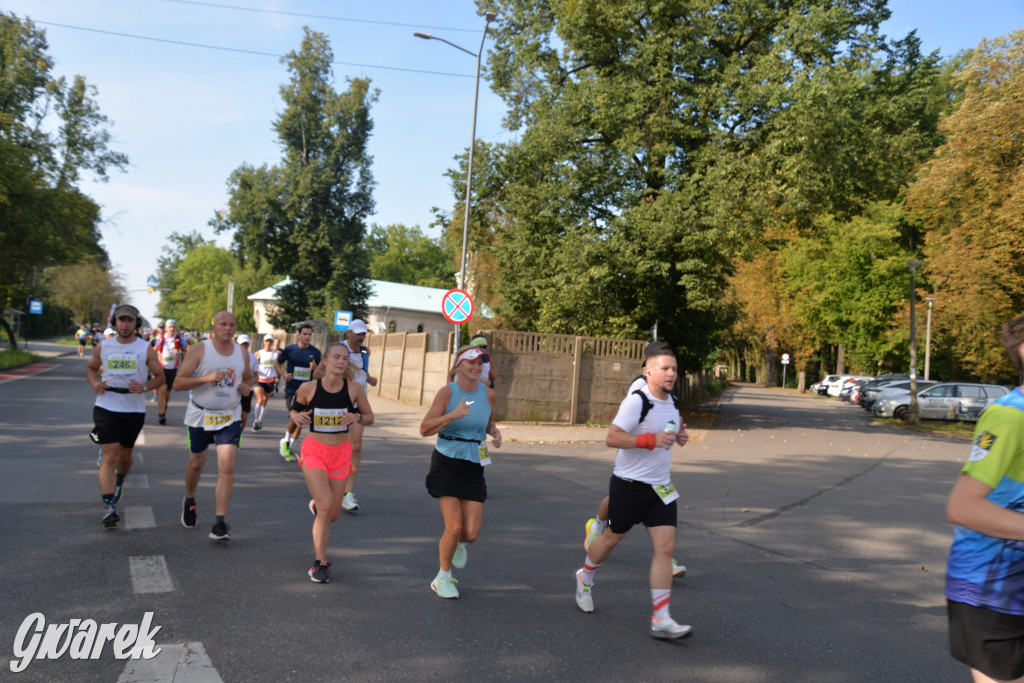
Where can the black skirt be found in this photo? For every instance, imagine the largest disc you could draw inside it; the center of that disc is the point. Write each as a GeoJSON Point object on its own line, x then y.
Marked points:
{"type": "Point", "coordinates": [457, 478]}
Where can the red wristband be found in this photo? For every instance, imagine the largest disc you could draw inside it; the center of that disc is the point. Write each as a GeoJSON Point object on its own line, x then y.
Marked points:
{"type": "Point", "coordinates": [648, 441]}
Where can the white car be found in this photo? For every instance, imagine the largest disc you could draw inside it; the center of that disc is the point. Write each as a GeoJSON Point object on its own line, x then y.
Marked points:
{"type": "Point", "coordinates": [837, 386]}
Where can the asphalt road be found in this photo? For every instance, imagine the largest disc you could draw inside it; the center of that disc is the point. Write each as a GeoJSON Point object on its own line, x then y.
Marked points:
{"type": "Point", "coordinates": [815, 543]}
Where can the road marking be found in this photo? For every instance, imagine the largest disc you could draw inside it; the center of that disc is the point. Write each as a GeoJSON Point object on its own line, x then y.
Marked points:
{"type": "Point", "coordinates": [139, 517]}
{"type": "Point", "coordinates": [25, 371]}
{"type": "Point", "coordinates": [139, 481]}
{"type": "Point", "coordinates": [140, 440]}
{"type": "Point", "coordinates": [187, 663]}
{"type": "Point", "coordinates": [150, 575]}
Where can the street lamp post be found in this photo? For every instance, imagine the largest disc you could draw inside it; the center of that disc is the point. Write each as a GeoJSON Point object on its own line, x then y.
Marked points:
{"type": "Point", "coordinates": [913, 416]}
{"type": "Point", "coordinates": [489, 17]}
{"type": "Point", "coordinates": [928, 340]}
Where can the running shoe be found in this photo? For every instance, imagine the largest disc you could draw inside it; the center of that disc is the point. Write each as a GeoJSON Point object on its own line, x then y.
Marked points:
{"type": "Point", "coordinates": [312, 507]}
{"type": "Point", "coordinates": [219, 532]}
{"type": "Point", "coordinates": [110, 519]}
{"type": "Point", "coordinates": [320, 572]}
{"type": "Point", "coordinates": [584, 597]}
{"type": "Point", "coordinates": [678, 570]}
{"type": "Point", "coordinates": [594, 532]}
{"type": "Point", "coordinates": [188, 514]}
{"type": "Point", "coordinates": [163, 418]}
{"type": "Point", "coordinates": [667, 628]}
{"type": "Point", "coordinates": [459, 559]}
{"type": "Point", "coordinates": [286, 450]}
{"type": "Point", "coordinates": [444, 586]}
{"type": "Point", "coordinates": [349, 502]}
{"type": "Point", "coordinates": [118, 493]}
{"type": "Point", "coordinates": [257, 427]}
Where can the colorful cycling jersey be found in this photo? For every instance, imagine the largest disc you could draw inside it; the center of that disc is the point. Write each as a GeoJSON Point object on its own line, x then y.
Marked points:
{"type": "Point", "coordinates": [982, 570]}
{"type": "Point", "coordinates": [267, 371]}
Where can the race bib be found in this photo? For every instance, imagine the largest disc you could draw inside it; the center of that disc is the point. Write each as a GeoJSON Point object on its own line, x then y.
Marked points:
{"type": "Point", "coordinates": [214, 420]}
{"type": "Point", "coordinates": [267, 362]}
{"type": "Point", "coordinates": [302, 374]}
{"type": "Point", "coordinates": [121, 365]}
{"type": "Point", "coordinates": [485, 457]}
{"type": "Point", "coordinates": [329, 419]}
{"type": "Point", "coordinates": [170, 356]}
{"type": "Point", "coordinates": [667, 492]}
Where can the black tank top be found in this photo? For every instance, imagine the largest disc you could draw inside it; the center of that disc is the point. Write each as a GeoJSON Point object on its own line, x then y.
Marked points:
{"type": "Point", "coordinates": [328, 409]}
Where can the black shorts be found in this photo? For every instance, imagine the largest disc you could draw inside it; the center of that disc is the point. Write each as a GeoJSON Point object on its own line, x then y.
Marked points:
{"type": "Point", "coordinates": [199, 439]}
{"type": "Point", "coordinates": [269, 387]}
{"type": "Point", "coordinates": [169, 375]}
{"type": "Point", "coordinates": [121, 428]}
{"type": "Point", "coordinates": [457, 478]}
{"type": "Point", "coordinates": [247, 403]}
{"type": "Point", "coordinates": [634, 502]}
{"type": "Point", "coordinates": [986, 640]}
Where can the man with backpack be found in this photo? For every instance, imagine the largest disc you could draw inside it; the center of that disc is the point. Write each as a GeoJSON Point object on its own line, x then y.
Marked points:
{"type": "Point", "coordinates": [170, 348]}
{"type": "Point", "coordinates": [641, 489]}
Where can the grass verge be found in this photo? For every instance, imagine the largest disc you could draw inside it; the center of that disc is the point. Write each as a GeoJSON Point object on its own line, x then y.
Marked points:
{"type": "Point", "coordinates": [13, 358]}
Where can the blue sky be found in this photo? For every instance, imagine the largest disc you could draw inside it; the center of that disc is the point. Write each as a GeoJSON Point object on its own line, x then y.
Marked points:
{"type": "Point", "coordinates": [187, 116]}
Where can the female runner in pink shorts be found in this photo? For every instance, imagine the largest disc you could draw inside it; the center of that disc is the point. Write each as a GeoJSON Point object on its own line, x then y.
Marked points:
{"type": "Point", "coordinates": [328, 405]}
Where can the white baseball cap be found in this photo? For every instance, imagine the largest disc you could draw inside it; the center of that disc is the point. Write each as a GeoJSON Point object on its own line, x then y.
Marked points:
{"type": "Point", "coordinates": [357, 326]}
{"type": "Point", "coordinates": [243, 339]}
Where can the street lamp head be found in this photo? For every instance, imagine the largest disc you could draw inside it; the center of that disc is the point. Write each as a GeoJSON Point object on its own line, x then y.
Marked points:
{"type": "Point", "coordinates": [914, 263]}
{"type": "Point", "coordinates": [491, 16]}
{"type": "Point", "coordinates": [424, 36]}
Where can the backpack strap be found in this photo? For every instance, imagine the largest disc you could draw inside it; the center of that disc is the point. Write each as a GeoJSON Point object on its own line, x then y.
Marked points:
{"type": "Point", "coordinates": [646, 404]}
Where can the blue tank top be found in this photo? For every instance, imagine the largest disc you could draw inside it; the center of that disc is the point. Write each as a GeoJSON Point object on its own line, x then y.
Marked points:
{"type": "Point", "coordinates": [472, 427]}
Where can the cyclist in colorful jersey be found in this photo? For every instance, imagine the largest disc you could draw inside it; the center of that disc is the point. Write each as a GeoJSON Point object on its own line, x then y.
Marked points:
{"type": "Point", "coordinates": [217, 373]}
{"type": "Point", "coordinates": [118, 373]}
{"type": "Point", "coordinates": [266, 379]}
{"type": "Point", "coordinates": [641, 489]}
{"type": "Point", "coordinates": [296, 363]}
{"type": "Point", "coordinates": [462, 415]}
{"type": "Point", "coordinates": [332, 407]}
{"type": "Point", "coordinates": [170, 347]}
{"type": "Point", "coordinates": [359, 361]}
{"type": "Point", "coordinates": [985, 571]}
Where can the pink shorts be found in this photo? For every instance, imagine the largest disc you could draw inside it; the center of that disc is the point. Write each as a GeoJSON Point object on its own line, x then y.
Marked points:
{"type": "Point", "coordinates": [335, 460]}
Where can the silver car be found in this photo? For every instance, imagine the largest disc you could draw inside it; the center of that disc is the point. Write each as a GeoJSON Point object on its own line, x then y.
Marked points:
{"type": "Point", "coordinates": [976, 399]}
{"type": "Point", "coordinates": [895, 401]}
{"type": "Point", "coordinates": [938, 402]}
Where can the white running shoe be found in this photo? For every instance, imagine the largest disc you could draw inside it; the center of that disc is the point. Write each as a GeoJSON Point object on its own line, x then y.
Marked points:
{"type": "Point", "coordinates": [584, 597]}
{"type": "Point", "coordinates": [594, 531]}
{"type": "Point", "coordinates": [668, 628]}
{"type": "Point", "coordinates": [678, 570]}
{"type": "Point", "coordinates": [349, 502]}
{"type": "Point", "coordinates": [444, 586]}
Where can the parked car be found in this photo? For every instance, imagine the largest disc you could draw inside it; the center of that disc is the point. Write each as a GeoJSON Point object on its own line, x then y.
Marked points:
{"type": "Point", "coordinates": [971, 407]}
{"type": "Point", "coordinates": [828, 379]}
{"type": "Point", "coordinates": [892, 398]}
{"type": "Point", "coordinates": [836, 387]}
{"type": "Point", "coordinates": [850, 390]}
{"type": "Point", "coordinates": [937, 402]}
{"type": "Point", "coordinates": [871, 391]}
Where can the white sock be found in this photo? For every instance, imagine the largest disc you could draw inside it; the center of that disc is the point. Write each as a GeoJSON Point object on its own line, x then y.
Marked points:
{"type": "Point", "coordinates": [445, 574]}
{"type": "Point", "coordinates": [600, 525]}
{"type": "Point", "coordinates": [659, 602]}
{"type": "Point", "coordinates": [589, 567]}
{"type": "Point", "coordinates": [259, 413]}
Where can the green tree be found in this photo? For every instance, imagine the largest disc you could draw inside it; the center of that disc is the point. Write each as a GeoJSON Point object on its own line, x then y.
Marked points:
{"type": "Point", "coordinates": [86, 289]}
{"type": "Point", "coordinates": [168, 264]}
{"type": "Point", "coordinates": [51, 132]}
{"type": "Point", "coordinates": [306, 216]}
{"type": "Point", "coordinates": [406, 255]}
{"type": "Point", "coordinates": [659, 141]}
{"type": "Point", "coordinates": [970, 199]}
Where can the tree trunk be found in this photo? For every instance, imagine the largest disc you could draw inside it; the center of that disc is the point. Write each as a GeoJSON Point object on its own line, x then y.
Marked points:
{"type": "Point", "coordinates": [12, 340]}
{"type": "Point", "coordinates": [801, 381]}
{"type": "Point", "coordinates": [841, 361]}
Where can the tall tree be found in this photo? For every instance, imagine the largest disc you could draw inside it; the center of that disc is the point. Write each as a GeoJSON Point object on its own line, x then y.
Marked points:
{"type": "Point", "coordinates": [970, 197]}
{"type": "Point", "coordinates": [659, 141]}
{"type": "Point", "coordinates": [86, 288]}
{"type": "Point", "coordinates": [51, 132]}
{"type": "Point", "coordinates": [306, 216]}
{"type": "Point", "coordinates": [401, 254]}
{"type": "Point", "coordinates": [168, 265]}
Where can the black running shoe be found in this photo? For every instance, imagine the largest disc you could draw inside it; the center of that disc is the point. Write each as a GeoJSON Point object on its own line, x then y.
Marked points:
{"type": "Point", "coordinates": [110, 519]}
{"type": "Point", "coordinates": [320, 572]}
{"type": "Point", "coordinates": [219, 532]}
{"type": "Point", "coordinates": [163, 418]}
{"type": "Point", "coordinates": [188, 514]}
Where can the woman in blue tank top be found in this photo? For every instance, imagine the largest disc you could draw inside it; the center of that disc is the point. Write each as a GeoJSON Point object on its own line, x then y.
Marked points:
{"type": "Point", "coordinates": [462, 415]}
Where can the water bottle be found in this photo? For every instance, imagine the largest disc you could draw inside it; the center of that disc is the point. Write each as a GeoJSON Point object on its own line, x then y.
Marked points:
{"type": "Point", "coordinates": [670, 426]}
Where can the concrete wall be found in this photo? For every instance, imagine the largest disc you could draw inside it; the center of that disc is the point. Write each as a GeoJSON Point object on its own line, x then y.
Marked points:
{"type": "Point", "coordinates": [541, 377]}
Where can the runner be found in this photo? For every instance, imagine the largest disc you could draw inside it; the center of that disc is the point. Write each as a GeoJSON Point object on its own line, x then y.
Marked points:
{"type": "Point", "coordinates": [217, 373]}
{"type": "Point", "coordinates": [641, 489]}
{"type": "Point", "coordinates": [332, 407]}
{"type": "Point", "coordinates": [266, 379]}
{"type": "Point", "coordinates": [170, 347]}
{"type": "Point", "coordinates": [462, 415]}
{"type": "Point", "coordinates": [254, 366]}
{"type": "Point", "coordinates": [296, 363]}
{"type": "Point", "coordinates": [359, 360]}
{"type": "Point", "coordinates": [82, 335]}
{"type": "Point", "coordinates": [118, 373]}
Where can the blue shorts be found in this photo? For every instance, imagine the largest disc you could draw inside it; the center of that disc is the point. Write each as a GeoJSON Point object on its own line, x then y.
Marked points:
{"type": "Point", "coordinates": [199, 439]}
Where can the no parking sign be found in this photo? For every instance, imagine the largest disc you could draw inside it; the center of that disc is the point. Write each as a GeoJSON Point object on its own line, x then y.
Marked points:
{"type": "Point", "coordinates": [456, 306]}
